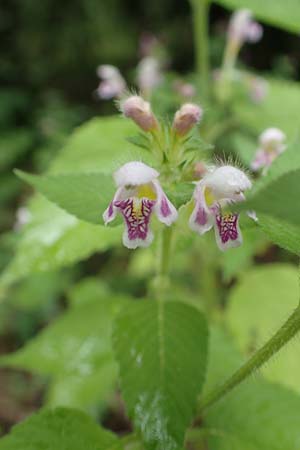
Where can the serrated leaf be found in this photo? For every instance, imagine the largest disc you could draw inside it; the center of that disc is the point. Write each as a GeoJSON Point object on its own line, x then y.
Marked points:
{"type": "Point", "coordinates": [54, 238]}
{"type": "Point", "coordinates": [59, 429]}
{"type": "Point", "coordinates": [75, 348]}
{"type": "Point", "coordinates": [283, 14]}
{"type": "Point", "coordinates": [99, 145]}
{"type": "Point", "coordinates": [255, 416]}
{"type": "Point", "coordinates": [258, 305]}
{"type": "Point", "coordinates": [161, 349]}
{"type": "Point", "coordinates": [85, 196]}
{"type": "Point", "coordinates": [283, 234]}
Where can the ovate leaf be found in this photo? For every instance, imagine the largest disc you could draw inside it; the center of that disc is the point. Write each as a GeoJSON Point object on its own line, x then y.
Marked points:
{"type": "Point", "coordinates": [86, 196]}
{"type": "Point", "coordinates": [99, 145]}
{"type": "Point", "coordinates": [161, 349]}
{"type": "Point", "coordinates": [60, 429]}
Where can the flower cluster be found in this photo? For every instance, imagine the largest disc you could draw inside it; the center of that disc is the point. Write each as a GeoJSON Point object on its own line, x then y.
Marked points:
{"type": "Point", "coordinates": [139, 194]}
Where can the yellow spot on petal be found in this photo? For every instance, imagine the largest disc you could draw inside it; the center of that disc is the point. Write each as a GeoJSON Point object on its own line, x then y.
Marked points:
{"type": "Point", "coordinates": [209, 198]}
{"type": "Point", "coordinates": [146, 191]}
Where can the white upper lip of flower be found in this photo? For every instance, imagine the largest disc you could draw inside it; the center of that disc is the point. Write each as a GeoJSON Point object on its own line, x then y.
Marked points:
{"type": "Point", "coordinates": [107, 71]}
{"type": "Point", "coordinates": [135, 173]}
{"type": "Point", "coordinates": [227, 182]}
{"type": "Point", "coordinates": [271, 135]}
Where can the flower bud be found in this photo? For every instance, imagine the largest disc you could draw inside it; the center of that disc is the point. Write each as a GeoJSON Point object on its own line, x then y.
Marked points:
{"type": "Point", "coordinates": [242, 28]}
{"type": "Point", "coordinates": [137, 109]}
{"type": "Point", "coordinates": [186, 118]}
{"type": "Point", "coordinates": [272, 139]}
{"type": "Point", "coordinates": [112, 83]}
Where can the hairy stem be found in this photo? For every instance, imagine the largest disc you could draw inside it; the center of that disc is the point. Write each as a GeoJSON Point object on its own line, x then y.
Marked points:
{"type": "Point", "coordinates": [201, 38]}
{"type": "Point", "coordinates": [288, 330]}
{"type": "Point", "coordinates": [165, 253]}
{"type": "Point", "coordinates": [161, 282]}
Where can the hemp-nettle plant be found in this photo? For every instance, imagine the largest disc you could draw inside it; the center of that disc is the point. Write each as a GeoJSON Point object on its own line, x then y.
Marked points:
{"type": "Point", "coordinates": [161, 258]}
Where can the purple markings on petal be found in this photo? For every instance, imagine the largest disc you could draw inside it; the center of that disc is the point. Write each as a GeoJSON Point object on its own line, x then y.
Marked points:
{"type": "Point", "coordinates": [136, 213]}
{"type": "Point", "coordinates": [201, 216]}
{"type": "Point", "coordinates": [165, 208]}
{"type": "Point", "coordinates": [227, 227]}
{"type": "Point", "coordinates": [110, 210]}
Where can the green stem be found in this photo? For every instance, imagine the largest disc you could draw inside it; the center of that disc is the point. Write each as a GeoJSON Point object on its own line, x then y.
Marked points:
{"type": "Point", "coordinates": [165, 253]}
{"type": "Point", "coordinates": [288, 330]}
{"type": "Point", "coordinates": [201, 37]}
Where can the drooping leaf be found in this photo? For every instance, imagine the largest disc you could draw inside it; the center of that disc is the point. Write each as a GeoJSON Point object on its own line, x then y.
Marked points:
{"type": "Point", "coordinates": [59, 429]}
{"type": "Point", "coordinates": [161, 349]}
{"type": "Point", "coordinates": [283, 14]}
{"type": "Point", "coordinates": [258, 305]}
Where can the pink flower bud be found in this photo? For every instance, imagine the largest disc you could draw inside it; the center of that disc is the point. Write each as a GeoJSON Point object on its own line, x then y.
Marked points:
{"type": "Point", "coordinates": [137, 109]}
{"type": "Point", "coordinates": [186, 118]}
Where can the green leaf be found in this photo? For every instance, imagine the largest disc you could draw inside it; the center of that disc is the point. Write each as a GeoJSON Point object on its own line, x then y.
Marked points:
{"type": "Point", "coordinates": [283, 14]}
{"type": "Point", "coordinates": [258, 305]}
{"type": "Point", "coordinates": [283, 234]}
{"type": "Point", "coordinates": [76, 351]}
{"type": "Point", "coordinates": [279, 198]}
{"type": "Point", "coordinates": [60, 429]}
{"type": "Point", "coordinates": [255, 416]}
{"type": "Point", "coordinates": [98, 146]}
{"type": "Point", "coordinates": [85, 196]}
{"type": "Point", "coordinates": [162, 350]}
{"type": "Point", "coordinates": [279, 109]}
{"type": "Point", "coordinates": [54, 239]}
{"type": "Point", "coordinates": [277, 193]}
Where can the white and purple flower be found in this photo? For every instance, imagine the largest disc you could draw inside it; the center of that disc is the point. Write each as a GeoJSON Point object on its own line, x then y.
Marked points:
{"type": "Point", "coordinates": [242, 28]}
{"type": "Point", "coordinates": [219, 188]}
{"type": "Point", "coordinates": [139, 195]}
{"type": "Point", "coordinates": [112, 84]}
{"type": "Point", "coordinates": [271, 145]}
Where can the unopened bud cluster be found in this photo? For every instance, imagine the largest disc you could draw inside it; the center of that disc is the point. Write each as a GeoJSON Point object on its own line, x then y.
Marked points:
{"type": "Point", "coordinates": [139, 110]}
